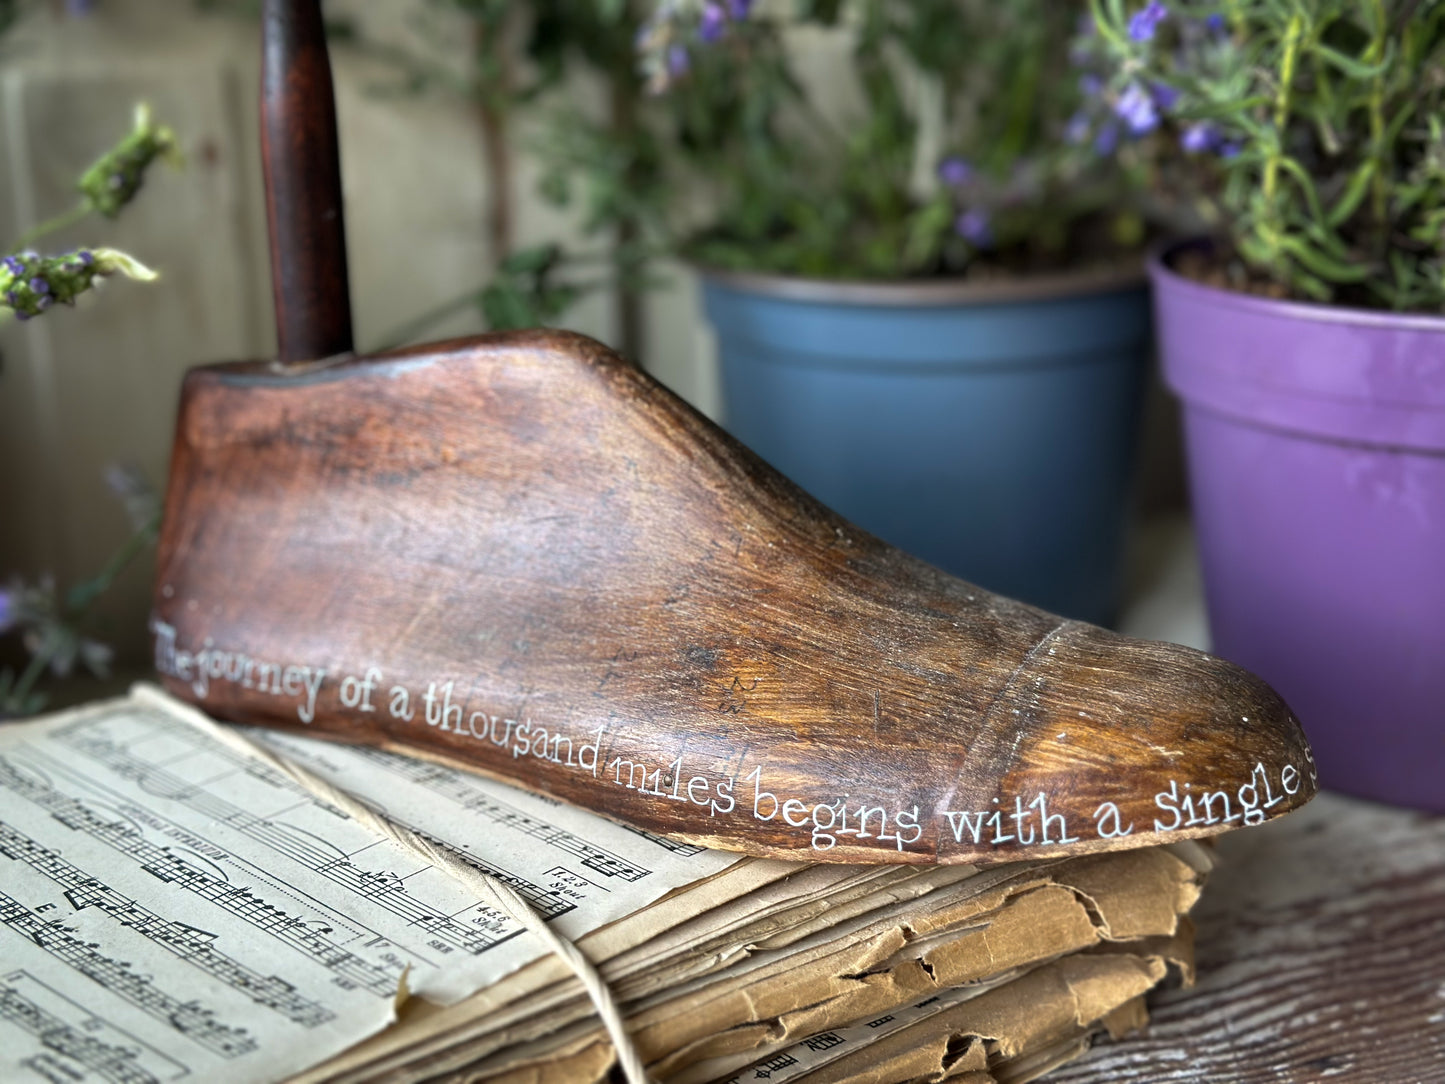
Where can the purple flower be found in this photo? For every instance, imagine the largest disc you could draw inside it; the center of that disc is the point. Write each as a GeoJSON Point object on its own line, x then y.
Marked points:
{"type": "Point", "coordinates": [1077, 130]}
{"type": "Point", "coordinates": [713, 22]}
{"type": "Point", "coordinates": [1230, 149]}
{"type": "Point", "coordinates": [678, 61]}
{"type": "Point", "coordinates": [86, 256]}
{"type": "Point", "coordinates": [39, 285]}
{"type": "Point", "coordinates": [14, 266]}
{"type": "Point", "coordinates": [954, 171]}
{"type": "Point", "coordinates": [1164, 95]}
{"type": "Point", "coordinates": [1136, 108]}
{"type": "Point", "coordinates": [1199, 137]}
{"type": "Point", "coordinates": [1106, 139]}
{"type": "Point", "coordinates": [1144, 22]}
{"type": "Point", "coordinates": [740, 9]}
{"type": "Point", "coordinates": [9, 608]}
{"type": "Point", "coordinates": [1090, 84]}
{"type": "Point", "coordinates": [973, 226]}
{"type": "Point", "coordinates": [1216, 24]}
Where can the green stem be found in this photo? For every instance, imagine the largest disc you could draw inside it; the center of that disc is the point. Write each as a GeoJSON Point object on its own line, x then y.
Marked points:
{"type": "Point", "coordinates": [21, 690]}
{"type": "Point", "coordinates": [50, 225]}
{"type": "Point", "coordinates": [1379, 194]}
{"type": "Point", "coordinates": [102, 581]}
{"type": "Point", "coordinates": [1281, 119]}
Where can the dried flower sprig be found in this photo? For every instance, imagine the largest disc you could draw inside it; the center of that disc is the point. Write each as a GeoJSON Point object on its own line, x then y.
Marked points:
{"type": "Point", "coordinates": [30, 283]}
{"type": "Point", "coordinates": [114, 179]}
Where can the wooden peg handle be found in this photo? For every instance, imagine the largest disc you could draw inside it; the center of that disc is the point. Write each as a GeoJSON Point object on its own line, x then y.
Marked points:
{"type": "Point", "coordinates": [303, 184]}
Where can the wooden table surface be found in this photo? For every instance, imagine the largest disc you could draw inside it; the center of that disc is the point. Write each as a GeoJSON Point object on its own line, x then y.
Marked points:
{"type": "Point", "coordinates": [1321, 955]}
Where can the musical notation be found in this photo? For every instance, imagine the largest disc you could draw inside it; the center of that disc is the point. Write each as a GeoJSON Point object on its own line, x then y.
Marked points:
{"type": "Point", "coordinates": [386, 888]}
{"type": "Point", "coordinates": [465, 791]}
{"type": "Point", "coordinates": [69, 1036]}
{"type": "Point", "coordinates": [191, 1019]}
{"type": "Point", "coordinates": [765, 1069]}
{"type": "Point", "coordinates": [218, 921]}
{"type": "Point", "coordinates": [165, 865]}
{"type": "Point", "coordinates": [676, 846]}
{"type": "Point", "coordinates": [195, 947]}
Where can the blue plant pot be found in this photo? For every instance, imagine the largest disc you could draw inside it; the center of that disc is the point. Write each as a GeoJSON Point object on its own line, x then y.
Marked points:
{"type": "Point", "coordinates": [989, 430]}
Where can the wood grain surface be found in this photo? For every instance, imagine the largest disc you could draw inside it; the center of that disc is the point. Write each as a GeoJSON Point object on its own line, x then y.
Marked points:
{"type": "Point", "coordinates": [522, 554]}
{"type": "Point", "coordinates": [1321, 957]}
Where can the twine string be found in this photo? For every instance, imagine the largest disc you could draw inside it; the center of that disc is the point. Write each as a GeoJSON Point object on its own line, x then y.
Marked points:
{"type": "Point", "coordinates": [489, 889]}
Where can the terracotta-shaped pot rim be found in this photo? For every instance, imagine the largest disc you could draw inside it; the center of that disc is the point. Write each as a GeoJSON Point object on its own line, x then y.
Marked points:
{"type": "Point", "coordinates": [932, 292]}
{"type": "Point", "coordinates": [1158, 264]}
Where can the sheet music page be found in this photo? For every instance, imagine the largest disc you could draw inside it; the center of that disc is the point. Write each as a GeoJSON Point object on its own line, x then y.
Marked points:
{"type": "Point", "coordinates": [171, 909]}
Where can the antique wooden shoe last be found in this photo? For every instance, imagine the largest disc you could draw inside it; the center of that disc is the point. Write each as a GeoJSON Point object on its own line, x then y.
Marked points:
{"type": "Point", "coordinates": [520, 554]}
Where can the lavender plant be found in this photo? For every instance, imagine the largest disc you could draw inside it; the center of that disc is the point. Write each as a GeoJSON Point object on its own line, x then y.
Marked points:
{"type": "Point", "coordinates": [967, 157]}
{"type": "Point", "coordinates": [50, 624]}
{"type": "Point", "coordinates": [1311, 134]}
{"type": "Point", "coordinates": [31, 283]}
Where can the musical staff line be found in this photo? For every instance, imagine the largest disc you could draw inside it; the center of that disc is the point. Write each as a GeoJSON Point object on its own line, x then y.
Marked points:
{"type": "Point", "coordinates": [385, 888]}
{"type": "Point", "coordinates": [160, 863]}
{"type": "Point", "coordinates": [454, 786]}
{"type": "Point", "coordinates": [189, 1018]}
{"type": "Point", "coordinates": [191, 945]}
{"type": "Point", "coordinates": [113, 1063]}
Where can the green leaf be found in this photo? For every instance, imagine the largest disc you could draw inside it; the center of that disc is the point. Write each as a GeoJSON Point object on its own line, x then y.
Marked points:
{"type": "Point", "coordinates": [1353, 194]}
{"type": "Point", "coordinates": [1324, 266]}
{"type": "Point", "coordinates": [1356, 69]}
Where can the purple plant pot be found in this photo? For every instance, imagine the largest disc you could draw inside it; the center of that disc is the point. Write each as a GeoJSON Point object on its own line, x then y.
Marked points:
{"type": "Point", "coordinates": [1316, 446]}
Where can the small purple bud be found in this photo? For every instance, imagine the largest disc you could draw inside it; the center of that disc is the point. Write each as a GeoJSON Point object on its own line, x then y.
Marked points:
{"type": "Point", "coordinates": [955, 172]}
{"type": "Point", "coordinates": [1164, 95]}
{"type": "Point", "coordinates": [713, 22]}
{"type": "Point", "coordinates": [1144, 22]}
{"type": "Point", "coordinates": [9, 608]}
{"type": "Point", "coordinates": [21, 316]}
{"type": "Point", "coordinates": [1199, 137]}
{"type": "Point", "coordinates": [1230, 149]}
{"type": "Point", "coordinates": [973, 227]}
{"type": "Point", "coordinates": [740, 9]}
{"type": "Point", "coordinates": [678, 61]}
{"type": "Point", "coordinates": [14, 266]}
{"type": "Point", "coordinates": [1090, 85]}
{"type": "Point", "coordinates": [39, 285]}
{"type": "Point", "coordinates": [86, 256]}
{"type": "Point", "coordinates": [1216, 24]}
{"type": "Point", "coordinates": [1106, 139]}
{"type": "Point", "coordinates": [1077, 130]}
{"type": "Point", "coordinates": [1136, 108]}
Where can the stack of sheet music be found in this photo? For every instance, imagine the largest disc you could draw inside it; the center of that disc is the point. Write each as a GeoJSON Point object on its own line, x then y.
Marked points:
{"type": "Point", "coordinates": [173, 906]}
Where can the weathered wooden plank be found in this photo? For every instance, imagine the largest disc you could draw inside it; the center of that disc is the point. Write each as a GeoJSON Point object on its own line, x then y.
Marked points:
{"type": "Point", "coordinates": [1321, 956]}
